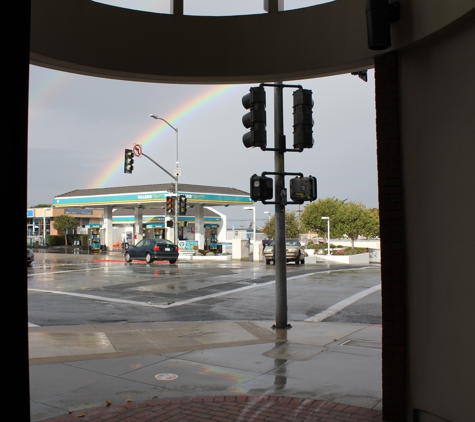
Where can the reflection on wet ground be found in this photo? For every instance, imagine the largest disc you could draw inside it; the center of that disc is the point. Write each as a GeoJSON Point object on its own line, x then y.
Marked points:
{"type": "Point", "coordinates": [74, 371]}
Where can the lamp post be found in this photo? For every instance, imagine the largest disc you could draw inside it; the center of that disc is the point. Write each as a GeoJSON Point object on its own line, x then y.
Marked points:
{"type": "Point", "coordinates": [176, 173]}
{"type": "Point", "coordinates": [328, 232]}
{"type": "Point", "coordinates": [44, 225]}
{"type": "Point", "coordinates": [254, 249]}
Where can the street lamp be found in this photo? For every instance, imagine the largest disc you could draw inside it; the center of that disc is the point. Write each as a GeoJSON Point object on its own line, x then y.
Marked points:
{"type": "Point", "coordinates": [328, 232]}
{"type": "Point", "coordinates": [268, 213]}
{"type": "Point", "coordinates": [177, 173]}
{"type": "Point", "coordinates": [255, 248]}
{"type": "Point", "coordinates": [44, 225]}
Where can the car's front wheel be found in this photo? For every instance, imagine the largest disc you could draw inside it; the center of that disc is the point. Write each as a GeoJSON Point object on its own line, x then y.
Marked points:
{"type": "Point", "coordinates": [148, 258]}
{"type": "Point", "coordinates": [172, 261]}
{"type": "Point", "coordinates": [127, 257]}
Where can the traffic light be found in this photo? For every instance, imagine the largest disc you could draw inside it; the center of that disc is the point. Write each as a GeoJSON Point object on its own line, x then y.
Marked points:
{"type": "Point", "coordinates": [303, 189]}
{"type": "Point", "coordinates": [170, 223]}
{"type": "Point", "coordinates": [182, 205]}
{"type": "Point", "coordinates": [170, 206]}
{"type": "Point", "coordinates": [303, 120]}
{"type": "Point", "coordinates": [255, 120]}
{"type": "Point", "coordinates": [128, 161]}
{"type": "Point", "coordinates": [262, 188]}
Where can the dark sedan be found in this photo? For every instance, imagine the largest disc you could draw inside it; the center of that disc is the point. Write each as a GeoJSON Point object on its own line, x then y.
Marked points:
{"type": "Point", "coordinates": [151, 250]}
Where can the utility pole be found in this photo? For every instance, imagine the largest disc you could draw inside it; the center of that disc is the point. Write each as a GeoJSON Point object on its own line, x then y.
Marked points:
{"type": "Point", "coordinates": [281, 196]}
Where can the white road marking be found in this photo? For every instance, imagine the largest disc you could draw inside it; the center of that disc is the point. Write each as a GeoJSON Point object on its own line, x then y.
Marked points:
{"type": "Point", "coordinates": [337, 307]}
{"type": "Point", "coordinates": [63, 271]}
{"type": "Point", "coordinates": [196, 299]}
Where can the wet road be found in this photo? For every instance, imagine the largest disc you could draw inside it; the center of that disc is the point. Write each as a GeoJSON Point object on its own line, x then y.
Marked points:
{"type": "Point", "coordinates": [83, 289]}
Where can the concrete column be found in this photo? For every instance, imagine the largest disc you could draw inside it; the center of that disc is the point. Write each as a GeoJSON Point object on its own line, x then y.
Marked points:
{"type": "Point", "coordinates": [138, 226]}
{"type": "Point", "coordinates": [176, 7]}
{"type": "Point", "coordinates": [107, 226]}
{"type": "Point", "coordinates": [199, 226]}
{"type": "Point", "coordinates": [272, 6]}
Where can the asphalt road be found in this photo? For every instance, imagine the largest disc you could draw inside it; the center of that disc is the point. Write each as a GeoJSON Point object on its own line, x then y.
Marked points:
{"type": "Point", "coordinates": [81, 289]}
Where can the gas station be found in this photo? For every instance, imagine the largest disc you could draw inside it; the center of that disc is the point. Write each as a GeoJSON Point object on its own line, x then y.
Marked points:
{"type": "Point", "coordinates": [141, 211]}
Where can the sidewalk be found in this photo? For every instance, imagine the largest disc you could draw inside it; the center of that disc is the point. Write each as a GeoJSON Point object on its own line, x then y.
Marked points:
{"type": "Point", "coordinates": [222, 371]}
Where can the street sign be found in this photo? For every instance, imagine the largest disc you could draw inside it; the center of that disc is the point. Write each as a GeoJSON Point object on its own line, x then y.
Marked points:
{"type": "Point", "coordinates": [177, 171]}
{"type": "Point", "coordinates": [137, 150]}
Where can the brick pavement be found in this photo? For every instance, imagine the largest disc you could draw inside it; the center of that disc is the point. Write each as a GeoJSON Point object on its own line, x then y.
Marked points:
{"type": "Point", "coordinates": [224, 409]}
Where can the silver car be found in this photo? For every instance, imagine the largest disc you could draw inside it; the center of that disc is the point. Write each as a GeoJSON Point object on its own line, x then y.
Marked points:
{"type": "Point", "coordinates": [293, 252]}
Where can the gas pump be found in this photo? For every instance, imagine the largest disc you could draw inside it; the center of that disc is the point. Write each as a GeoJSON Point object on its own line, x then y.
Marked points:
{"type": "Point", "coordinates": [212, 235]}
{"type": "Point", "coordinates": [213, 239]}
{"type": "Point", "coordinates": [155, 231]}
{"type": "Point", "coordinates": [94, 236]}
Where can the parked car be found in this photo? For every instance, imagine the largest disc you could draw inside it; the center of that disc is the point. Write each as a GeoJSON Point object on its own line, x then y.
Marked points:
{"type": "Point", "coordinates": [151, 250]}
{"type": "Point", "coordinates": [293, 252]}
{"type": "Point", "coordinates": [30, 256]}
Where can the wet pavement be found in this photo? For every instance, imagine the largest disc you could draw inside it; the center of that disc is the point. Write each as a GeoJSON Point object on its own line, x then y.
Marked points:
{"type": "Point", "coordinates": [201, 371]}
{"type": "Point", "coordinates": [233, 370]}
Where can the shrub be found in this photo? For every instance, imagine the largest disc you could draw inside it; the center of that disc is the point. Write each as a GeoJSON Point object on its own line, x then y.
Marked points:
{"type": "Point", "coordinates": [317, 246]}
{"type": "Point", "coordinates": [58, 240]}
{"type": "Point", "coordinates": [54, 240]}
{"type": "Point", "coordinates": [353, 251]}
{"type": "Point", "coordinates": [210, 254]}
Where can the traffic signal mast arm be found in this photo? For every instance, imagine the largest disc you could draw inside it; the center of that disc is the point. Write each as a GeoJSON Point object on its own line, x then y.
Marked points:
{"type": "Point", "coordinates": [154, 162]}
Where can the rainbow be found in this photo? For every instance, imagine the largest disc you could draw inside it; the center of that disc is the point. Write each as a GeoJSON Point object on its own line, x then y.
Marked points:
{"type": "Point", "coordinates": [150, 135]}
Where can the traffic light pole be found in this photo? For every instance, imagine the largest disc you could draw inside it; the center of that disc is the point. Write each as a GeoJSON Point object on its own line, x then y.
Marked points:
{"type": "Point", "coordinates": [280, 259]}
{"type": "Point", "coordinates": [301, 188]}
{"type": "Point", "coordinates": [174, 177]}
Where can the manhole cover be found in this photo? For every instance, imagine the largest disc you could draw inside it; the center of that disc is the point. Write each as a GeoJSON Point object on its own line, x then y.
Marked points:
{"type": "Point", "coordinates": [166, 377]}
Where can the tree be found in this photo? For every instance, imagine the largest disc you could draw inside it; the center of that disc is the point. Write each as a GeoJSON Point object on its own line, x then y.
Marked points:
{"type": "Point", "coordinates": [357, 220]}
{"type": "Point", "coordinates": [312, 214]}
{"type": "Point", "coordinates": [292, 226]}
{"type": "Point", "coordinates": [41, 206]}
{"type": "Point", "coordinates": [352, 219]}
{"type": "Point", "coordinates": [64, 223]}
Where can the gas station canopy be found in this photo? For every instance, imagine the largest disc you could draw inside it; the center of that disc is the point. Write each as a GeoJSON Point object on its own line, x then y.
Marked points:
{"type": "Point", "coordinates": [149, 196]}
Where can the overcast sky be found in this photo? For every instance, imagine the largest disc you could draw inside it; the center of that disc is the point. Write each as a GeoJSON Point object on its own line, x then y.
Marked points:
{"type": "Point", "coordinates": [79, 127]}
